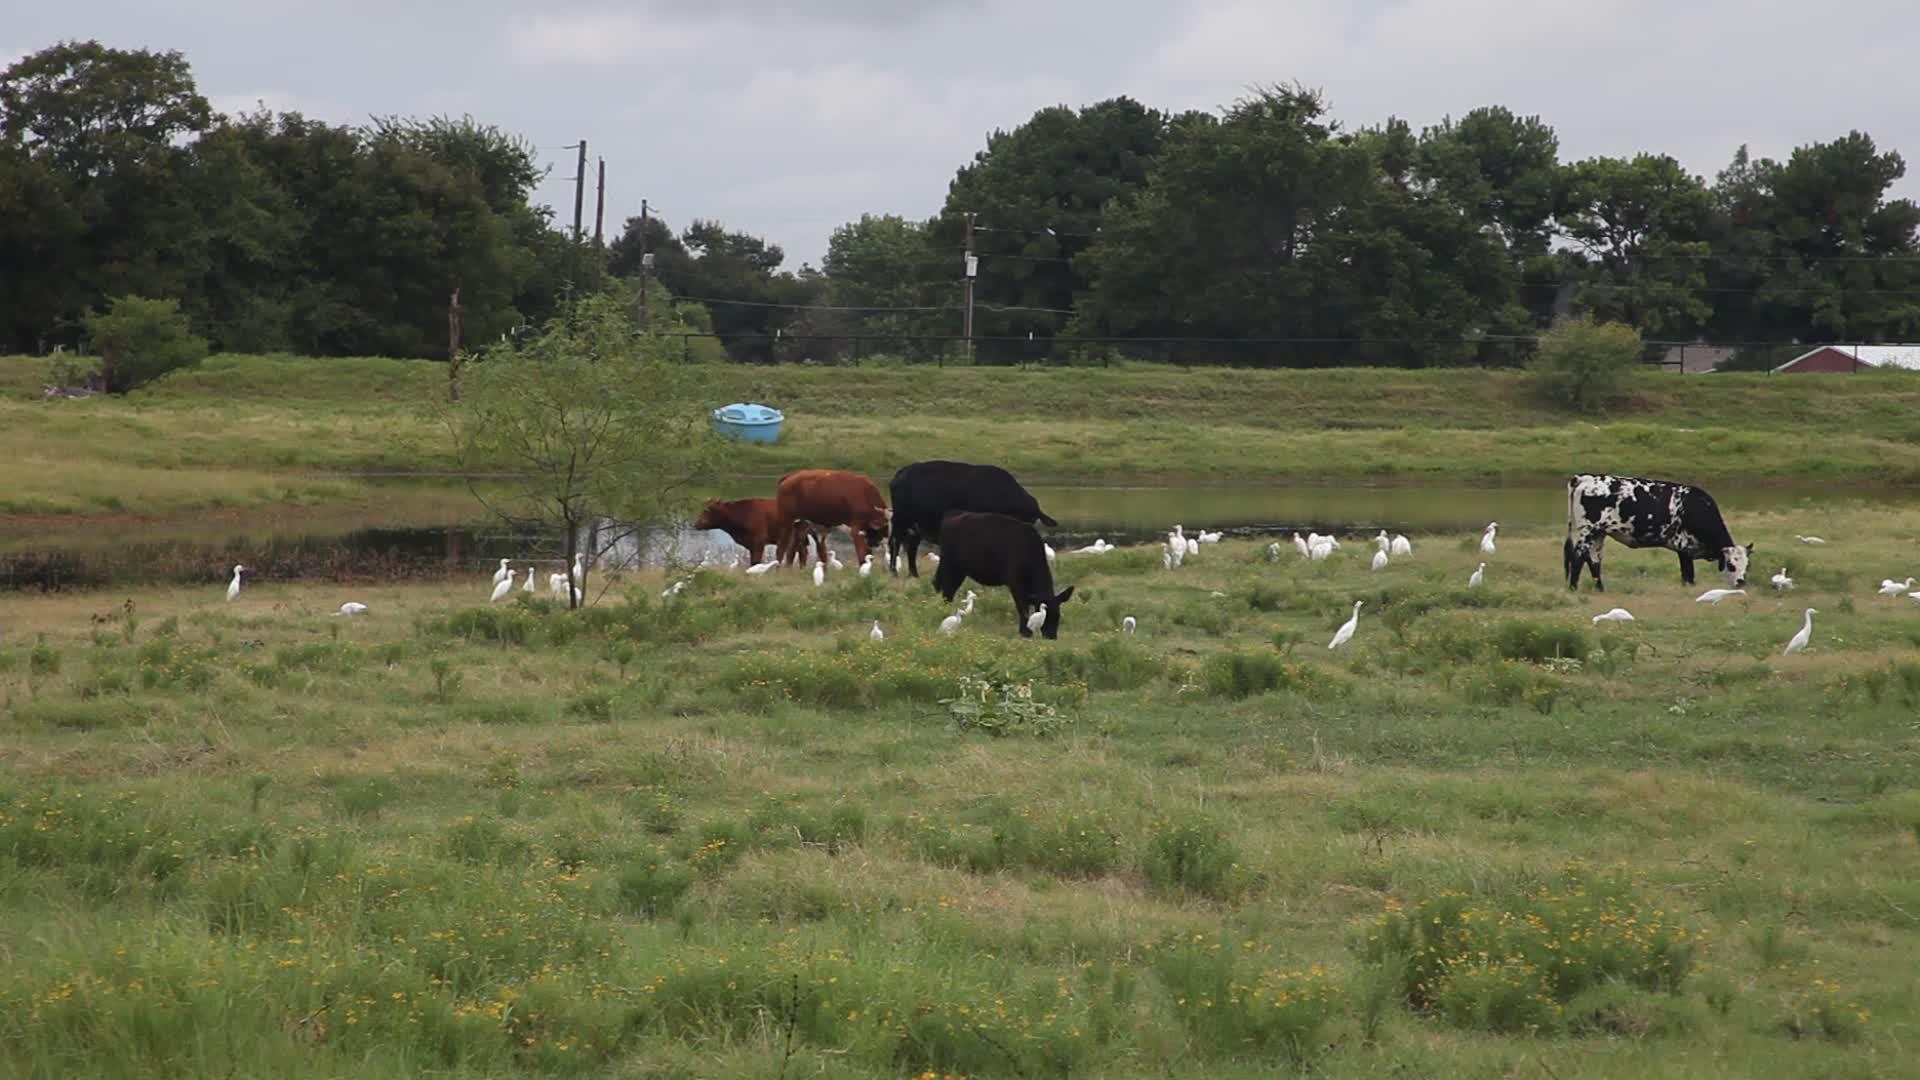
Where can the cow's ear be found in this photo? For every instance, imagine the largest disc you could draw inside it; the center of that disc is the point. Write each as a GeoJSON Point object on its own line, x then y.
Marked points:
{"type": "Point", "coordinates": [1063, 597]}
{"type": "Point", "coordinates": [1749, 549]}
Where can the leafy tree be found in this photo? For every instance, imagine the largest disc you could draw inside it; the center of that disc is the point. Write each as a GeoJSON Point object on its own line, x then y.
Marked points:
{"type": "Point", "coordinates": [89, 110]}
{"type": "Point", "coordinates": [1038, 192]}
{"type": "Point", "coordinates": [42, 254]}
{"type": "Point", "coordinates": [1813, 249]}
{"type": "Point", "coordinates": [1643, 226]}
{"type": "Point", "coordinates": [1581, 363]}
{"type": "Point", "coordinates": [651, 237]}
{"type": "Point", "coordinates": [588, 422]}
{"type": "Point", "coordinates": [1497, 168]}
{"type": "Point", "coordinates": [139, 340]}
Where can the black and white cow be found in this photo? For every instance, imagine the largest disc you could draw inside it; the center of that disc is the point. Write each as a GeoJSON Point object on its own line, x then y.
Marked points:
{"type": "Point", "coordinates": [1647, 513]}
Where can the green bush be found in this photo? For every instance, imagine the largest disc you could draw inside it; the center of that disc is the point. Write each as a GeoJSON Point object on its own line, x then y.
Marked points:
{"type": "Point", "coordinates": [1518, 639]}
{"type": "Point", "coordinates": [1580, 364]}
{"type": "Point", "coordinates": [139, 340]}
{"type": "Point", "coordinates": [1192, 856]}
{"type": "Point", "coordinates": [1244, 674]}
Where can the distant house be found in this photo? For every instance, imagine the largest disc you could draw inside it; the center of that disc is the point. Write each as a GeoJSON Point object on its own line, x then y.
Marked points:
{"type": "Point", "coordinates": [1829, 359]}
{"type": "Point", "coordinates": [1697, 359]}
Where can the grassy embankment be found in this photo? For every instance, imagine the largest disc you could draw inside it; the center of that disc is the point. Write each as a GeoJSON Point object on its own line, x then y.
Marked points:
{"type": "Point", "coordinates": [245, 433]}
{"type": "Point", "coordinates": [728, 835]}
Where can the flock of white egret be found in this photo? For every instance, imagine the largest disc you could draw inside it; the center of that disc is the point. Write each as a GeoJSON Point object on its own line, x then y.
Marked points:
{"type": "Point", "coordinates": [1178, 548]}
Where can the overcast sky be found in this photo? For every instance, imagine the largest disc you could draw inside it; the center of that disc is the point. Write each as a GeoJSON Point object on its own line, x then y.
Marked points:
{"type": "Point", "coordinates": [786, 124]}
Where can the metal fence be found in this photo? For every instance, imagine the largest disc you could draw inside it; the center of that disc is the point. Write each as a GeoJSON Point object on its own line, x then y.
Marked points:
{"type": "Point", "coordinates": [1266, 353]}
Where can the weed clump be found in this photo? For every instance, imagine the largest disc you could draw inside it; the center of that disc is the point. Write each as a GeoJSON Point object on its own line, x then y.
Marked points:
{"type": "Point", "coordinates": [1192, 856]}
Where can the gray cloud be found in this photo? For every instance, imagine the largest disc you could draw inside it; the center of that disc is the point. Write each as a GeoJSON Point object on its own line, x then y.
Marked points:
{"type": "Point", "coordinates": [788, 119]}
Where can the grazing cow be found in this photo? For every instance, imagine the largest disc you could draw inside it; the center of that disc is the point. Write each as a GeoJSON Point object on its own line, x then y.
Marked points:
{"type": "Point", "coordinates": [994, 549]}
{"type": "Point", "coordinates": [825, 498]}
{"type": "Point", "coordinates": [751, 523]}
{"type": "Point", "coordinates": [1647, 513]}
{"type": "Point", "coordinates": [925, 492]}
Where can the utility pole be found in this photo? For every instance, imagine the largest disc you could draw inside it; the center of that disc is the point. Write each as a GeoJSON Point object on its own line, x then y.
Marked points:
{"type": "Point", "coordinates": [453, 346]}
{"type": "Point", "coordinates": [972, 264]}
{"type": "Point", "coordinates": [646, 263]}
{"type": "Point", "coordinates": [579, 190]}
{"type": "Point", "coordinates": [600, 203]}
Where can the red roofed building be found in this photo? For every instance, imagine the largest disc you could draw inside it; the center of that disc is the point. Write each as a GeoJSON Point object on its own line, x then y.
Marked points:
{"type": "Point", "coordinates": [1847, 359]}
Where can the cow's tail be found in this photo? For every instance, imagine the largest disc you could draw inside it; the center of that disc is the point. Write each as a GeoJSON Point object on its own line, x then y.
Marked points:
{"type": "Point", "coordinates": [1047, 521]}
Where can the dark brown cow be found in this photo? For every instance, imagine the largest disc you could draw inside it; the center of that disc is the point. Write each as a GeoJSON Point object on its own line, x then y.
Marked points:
{"type": "Point", "coordinates": [824, 498]}
{"type": "Point", "coordinates": [752, 523]}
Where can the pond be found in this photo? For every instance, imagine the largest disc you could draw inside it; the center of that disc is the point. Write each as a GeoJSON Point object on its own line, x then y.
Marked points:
{"type": "Point", "coordinates": [1122, 515]}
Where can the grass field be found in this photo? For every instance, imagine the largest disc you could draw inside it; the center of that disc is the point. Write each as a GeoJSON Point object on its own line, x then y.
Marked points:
{"type": "Point", "coordinates": [244, 433]}
{"type": "Point", "coordinates": [728, 835]}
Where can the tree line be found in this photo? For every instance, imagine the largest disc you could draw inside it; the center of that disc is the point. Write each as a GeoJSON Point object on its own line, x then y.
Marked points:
{"type": "Point", "coordinates": [1266, 220]}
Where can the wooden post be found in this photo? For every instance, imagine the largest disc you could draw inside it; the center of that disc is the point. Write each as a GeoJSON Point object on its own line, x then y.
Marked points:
{"type": "Point", "coordinates": [453, 346]}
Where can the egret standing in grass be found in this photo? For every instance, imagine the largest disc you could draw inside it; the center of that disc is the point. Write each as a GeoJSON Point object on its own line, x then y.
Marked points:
{"type": "Point", "coordinates": [1401, 546]}
{"type": "Point", "coordinates": [1478, 576]}
{"type": "Point", "coordinates": [500, 575]}
{"type": "Point", "coordinates": [1808, 539]}
{"type": "Point", "coordinates": [951, 623]}
{"type": "Point", "coordinates": [1486, 540]}
{"type": "Point", "coordinates": [1380, 559]}
{"type": "Point", "coordinates": [1127, 624]}
{"type": "Point", "coordinates": [1800, 639]}
{"type": "Point", "coordinates": [1781, 580]}
{"type": "Point", "coordinates": [819, 574]}
{"type": "Point", "coordinates": [350, 608]}
{"type": "Point", "coordinates": [527, 586]}
{"type": "Point", "coordinates": [502, 589]}
{"type": "Point", "coordinates": [1618, 614]}
{"type": "Point", "coordinates": [968, 608]}
{"type": "Point", "coordinates": [1890, 587]}
{"type": "Point", "coordinates": [866, 565]}
{"type": "Point", "coordinates": [233, 587]}
{"type": "Point", "coordinates": [1037, 619]}
{"type": "Point", "coordinates": [761, 568]}
{"type": "Point", "coordinates": [1300, 545]}
{"type": "Point", "coordinates": [1345, 633]}
{"type": "Point", "coordinates": [876, 634]}
{"type": "Point", "coordinates": [1714, 596]}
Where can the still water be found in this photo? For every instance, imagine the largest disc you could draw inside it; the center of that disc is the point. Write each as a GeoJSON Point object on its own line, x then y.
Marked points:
{"type": "Point", "coordinates": [1121, 515]}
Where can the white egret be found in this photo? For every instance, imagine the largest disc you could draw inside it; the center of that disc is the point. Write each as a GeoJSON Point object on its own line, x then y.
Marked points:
{"type": "Point", "coordinates": [1209, 537]}
{"type": "Point", "coordinates": [1714, 596]}
{"type": "Point", "coordinates": [1300, 545]}
{"type": "Point", "coordinates": [1193, 546]}
{"type": "Point", "coordinates": [866, 565]}
{"type": "Point", "coordinates": [1345, 633]}
{"type": "Point", "coordinates": [1781, 580]}
{"type": "Point", "coordinates": [1808, 539]}
{"type": "Point", "coordinates": [502, 589]}
{"type": "Point", "coordinates": [1618, 614]}
{"type": "Point", "coordinates": [761, 568]}
{"type": "Point", "coordinates": [876, 634]}
{"type": "Point", "coordinates": [1380, 559]}
{"type": "Point", "coordinates": [819, 574]}
{"type": "Point", "coordinates": [1127, 624]}
{"type": "Point", "coordinates": [527, 585]}
{"type": "Point", "coordinates": [350, 608]}
{"type": "Point", "coordinates": [1401, 545]}
{"type": "Point", "coordinates": [1166, 560]}
{"type": "Point", "coordinates": [968, 609]}
{"type": "Point", "coordinates": [500, 575]}
{"type": "Point", "coordinates": [1486, 540]}
{"type": "Point", "coordinates": [557, 584]}
{"type": "Point", "coordinates": [1478, 576]}
{"type": "Point", "coordinates": [1890, 587]}
{"type": "Point", "coordinates": [674, 590]}
{"type": "Point", "coordinates": [1914, 596]}
{"type": "Point", "coordinates": [1383, 540]}
{"type": "Point", "coordinates": [1320, 551]}
{"type": "Point", "coordinates": [951, 623]}
{"type": "Point", "coordinates": [1037, 619]}
{"type": "Point", "coordinates": [1800, 639]}
{"type": "Point", "coordinates": [233, 587]}
{"type": "Point", "coordinates": [833, 561]}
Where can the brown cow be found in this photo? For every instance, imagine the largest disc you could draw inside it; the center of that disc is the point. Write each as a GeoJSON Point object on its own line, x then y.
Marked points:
{"type": "Point", "coordinates": [825, 498]}
{"type": "Point", "coordinates": [752, 523]}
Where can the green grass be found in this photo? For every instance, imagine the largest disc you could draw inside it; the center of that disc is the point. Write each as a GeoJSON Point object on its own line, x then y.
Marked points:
{"type": "Point", "coordinates": [727, 835]}
{"type": "Point", "coordinates": [247, 432]}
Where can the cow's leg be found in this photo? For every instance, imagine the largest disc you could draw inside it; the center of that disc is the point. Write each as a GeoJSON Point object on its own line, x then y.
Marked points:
{"type": "Point", "coordinates": [946, 581]}
{"type": "Point", "coordinates": [1592, 545]}
{"type": "Point", "coordinates": [1572, 562]}
{"type": "Point", "coordinates": [859, 544]}
{"type": "Point", "coordinates": [893, 552]}
{"type": "Point", "coordinates": [1686, 569]}
{"type": "Point", "coordinates": [1022, 610]}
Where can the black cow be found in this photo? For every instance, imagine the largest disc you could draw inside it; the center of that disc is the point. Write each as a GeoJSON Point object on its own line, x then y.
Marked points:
{"type": "Point", "coordinates": [925, 492]}
{"type": "Point", "coordinates": [995, 549]}
{"type": "Point", "coordinates": [1647, 513]}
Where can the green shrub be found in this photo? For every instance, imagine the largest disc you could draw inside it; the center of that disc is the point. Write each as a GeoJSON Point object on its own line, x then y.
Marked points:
{"type": "Point", "coordinates": [1513, 965]}
{"type": "Point", "coordinates": [1519, 639]}
{"type": "Point", "coordinates": [1241, 674]}
{"type": "Point", "coordinates": [139, 340]}
{"type": "Point", "coordinates": [1192, 856]}
{"type": "Point", "coordinates": [1580, 364]}
{"type": "Point", "coordinates": [651, 883]}
{"type": "Point", "coordinates": [1232, 1005]}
